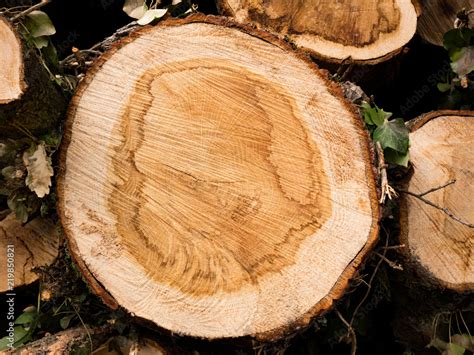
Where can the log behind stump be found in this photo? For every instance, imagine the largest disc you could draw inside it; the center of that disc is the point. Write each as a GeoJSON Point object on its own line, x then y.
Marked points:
{"type": "Point", "coordinates": [35, 245]}
{"type": "Point", "coordinates": [367, 31]}
{"type": "Point", "coordinates": [438, 17]}
{"type": "Point", "coordinates": [439, 245]}
{"type": "Point", "coordinates": [214, 182]}
{"type": "Point", "coordinates": [12, 68]}
{"type": "Point", "coordinates": [29, 98]}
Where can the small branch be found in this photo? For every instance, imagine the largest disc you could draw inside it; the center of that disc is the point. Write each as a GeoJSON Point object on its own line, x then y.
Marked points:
{"type": "Point", "coordinates": [351, 332]}
{"type": "Point", "coordinates": [463, 19]}
{"type": "Point", "coordinates": [342, 72]}
{"type": "Point", "coordinates": [30, 9]}
{"type": "Point", "coordinates": [85, 327]}
{"type": "Point", "coordinates": [349, 325]}
{"type": "Point", "coordinates": [445, 210]}
{"type": "Point", "coordinates": [450, 182]}
{"type": "Point", "coordinates": [392, 264]}
{"type": "Point", "coordinates": [369, 284]}
{"type": "Point", "coordinates": [387, 190]}
{"type": "Point", "coordinates": [401, 246]}
{"type": "Point", "coordinates": [100, 47]}
{"type": "Point", "coordinates": [5, 11]}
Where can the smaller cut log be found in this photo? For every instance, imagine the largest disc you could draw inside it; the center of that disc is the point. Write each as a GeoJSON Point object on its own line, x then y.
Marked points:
{"type": "Point", "coordinates": [29, 247]}
{"type": "Point", "coordinates": [438, 17]}
{"type": "Point", "coordinates": [11, 71]}
{"type": "Point", "coordinates": [29, 99]}
{"type": "Point", "coordinates": [437, 213]}
{"type": "Point", "coordinates": [367, 31]}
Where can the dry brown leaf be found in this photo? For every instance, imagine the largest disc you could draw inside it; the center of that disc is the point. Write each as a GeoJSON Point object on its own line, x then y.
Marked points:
{"type": "Point", "coordinates": [39, 169]}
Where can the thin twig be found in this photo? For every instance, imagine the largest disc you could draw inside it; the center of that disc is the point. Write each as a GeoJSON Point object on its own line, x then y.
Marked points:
{"type": "Point", "coordinates": [349, 326]}
{"type": "Point", "coordinates": [434, 325]}
{"type": "Point", "coordinates": [389, 262]}
{"type": "Point", "coordinates": [98, 48]}
{"type": "Point", "coordinates": [122, 31]}
{"type": "Point", "coordinates": [457, 323]}
{"type": "Point", "coordinates": [369, 285]}
{"type": "Point", "coordinates": [30, 9]}
{"type": "Point", "coordinates": [445, 210]}
{"type": "Point", "coordinates": [465, 325]}
{"type": "Point", "coordinates": [350, 330]}
{"type": "Point", "coordinates": [387, 190]}
{"type": "Point", "coordinates": [24, 130]}
{"type": "Point", "coordinates": [12, 10]}
{"type": "Point", "coordinates": [84, 325]}
{"type": "Point", "coordinates": [401, 246]}
{"type": "Point", "coordinates": [450, 182]}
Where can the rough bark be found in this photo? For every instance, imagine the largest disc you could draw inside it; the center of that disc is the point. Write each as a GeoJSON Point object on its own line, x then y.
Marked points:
{"type": "Point", "coordinates": [440, 243]}
{"type": "Point", "coordinates": [29, 99]}
{"type": "Point", "coordinates": [35, 245]}
{"type": "Point", "coordinates": [368, 31]}
{"type": "Point", "coordinates": [438, 17]}
{"type": "Point", "coordinates": [226, 188]}
{"type": "Point", "coordinates": [71, 341]}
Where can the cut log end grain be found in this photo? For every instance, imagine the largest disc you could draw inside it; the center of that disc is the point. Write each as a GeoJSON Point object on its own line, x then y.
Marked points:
{"type": "Point", "coordinates": [214, 183]}
{"type": "Point", "coordinates": [441, 152]}
{"type": "Point", "coordinates": [28, 247]}
{"type": "Point", "coordinates": [29, 99]}
{"type": "Point", "coordinates": [367, 31]}
{"type": "Point", "coordinates": [438, 17]}
{"type": "Point", "coordinates": [11, 59]}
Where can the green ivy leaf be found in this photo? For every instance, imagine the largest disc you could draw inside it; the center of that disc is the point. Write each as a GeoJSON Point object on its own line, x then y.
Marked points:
{"type": "Point", "coordinates": [64, 321]}
{"type": "Point", "coordinates": [21, 336]}
{"type": "Point", "coordinates": [51, 54]}
{"type": "Point", "coordinates": [463, 63]}
{"type": "Point", "coordinates": [455, 349]}
{"type": "Point", "coordinates": [464, 340]}
{"type": "Point", "coordinates": [40, 42]}
{"type": "Point", "coordinates": [374, 115]}
{"type": "Point", "coordinates": [393, 157]}
{"type": "Point", "coordinates": [27, 317]}
{"type": "Point", "coordinates": [444, 87]}
{"type": "Point", "coordinates": [8, 172]}
{"type": "Point", "coordinates": [39, 24]}
{"type": "Point", "coordinates": [367, 113]}
{"type": "Point", "coordinates": [17, 205]}
{"type": "Point", "coordinates": [457, 38]}
{"type": "Point", "coordinates": [4, 343]}
{"type": "Point", "coordinates": [393, 134]}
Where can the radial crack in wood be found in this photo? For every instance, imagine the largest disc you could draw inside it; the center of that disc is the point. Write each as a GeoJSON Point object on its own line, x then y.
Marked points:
{"type": "Point", "coordinates": [11, 71]}
{"type": "Point", "coordinates": [368, 31]}
{"type": "Point", "coordinates": [26, 248]}
{"type": "Point", "coordinates": [436, 233]}
{"type": "Point", "coordinates": [214, 182]}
